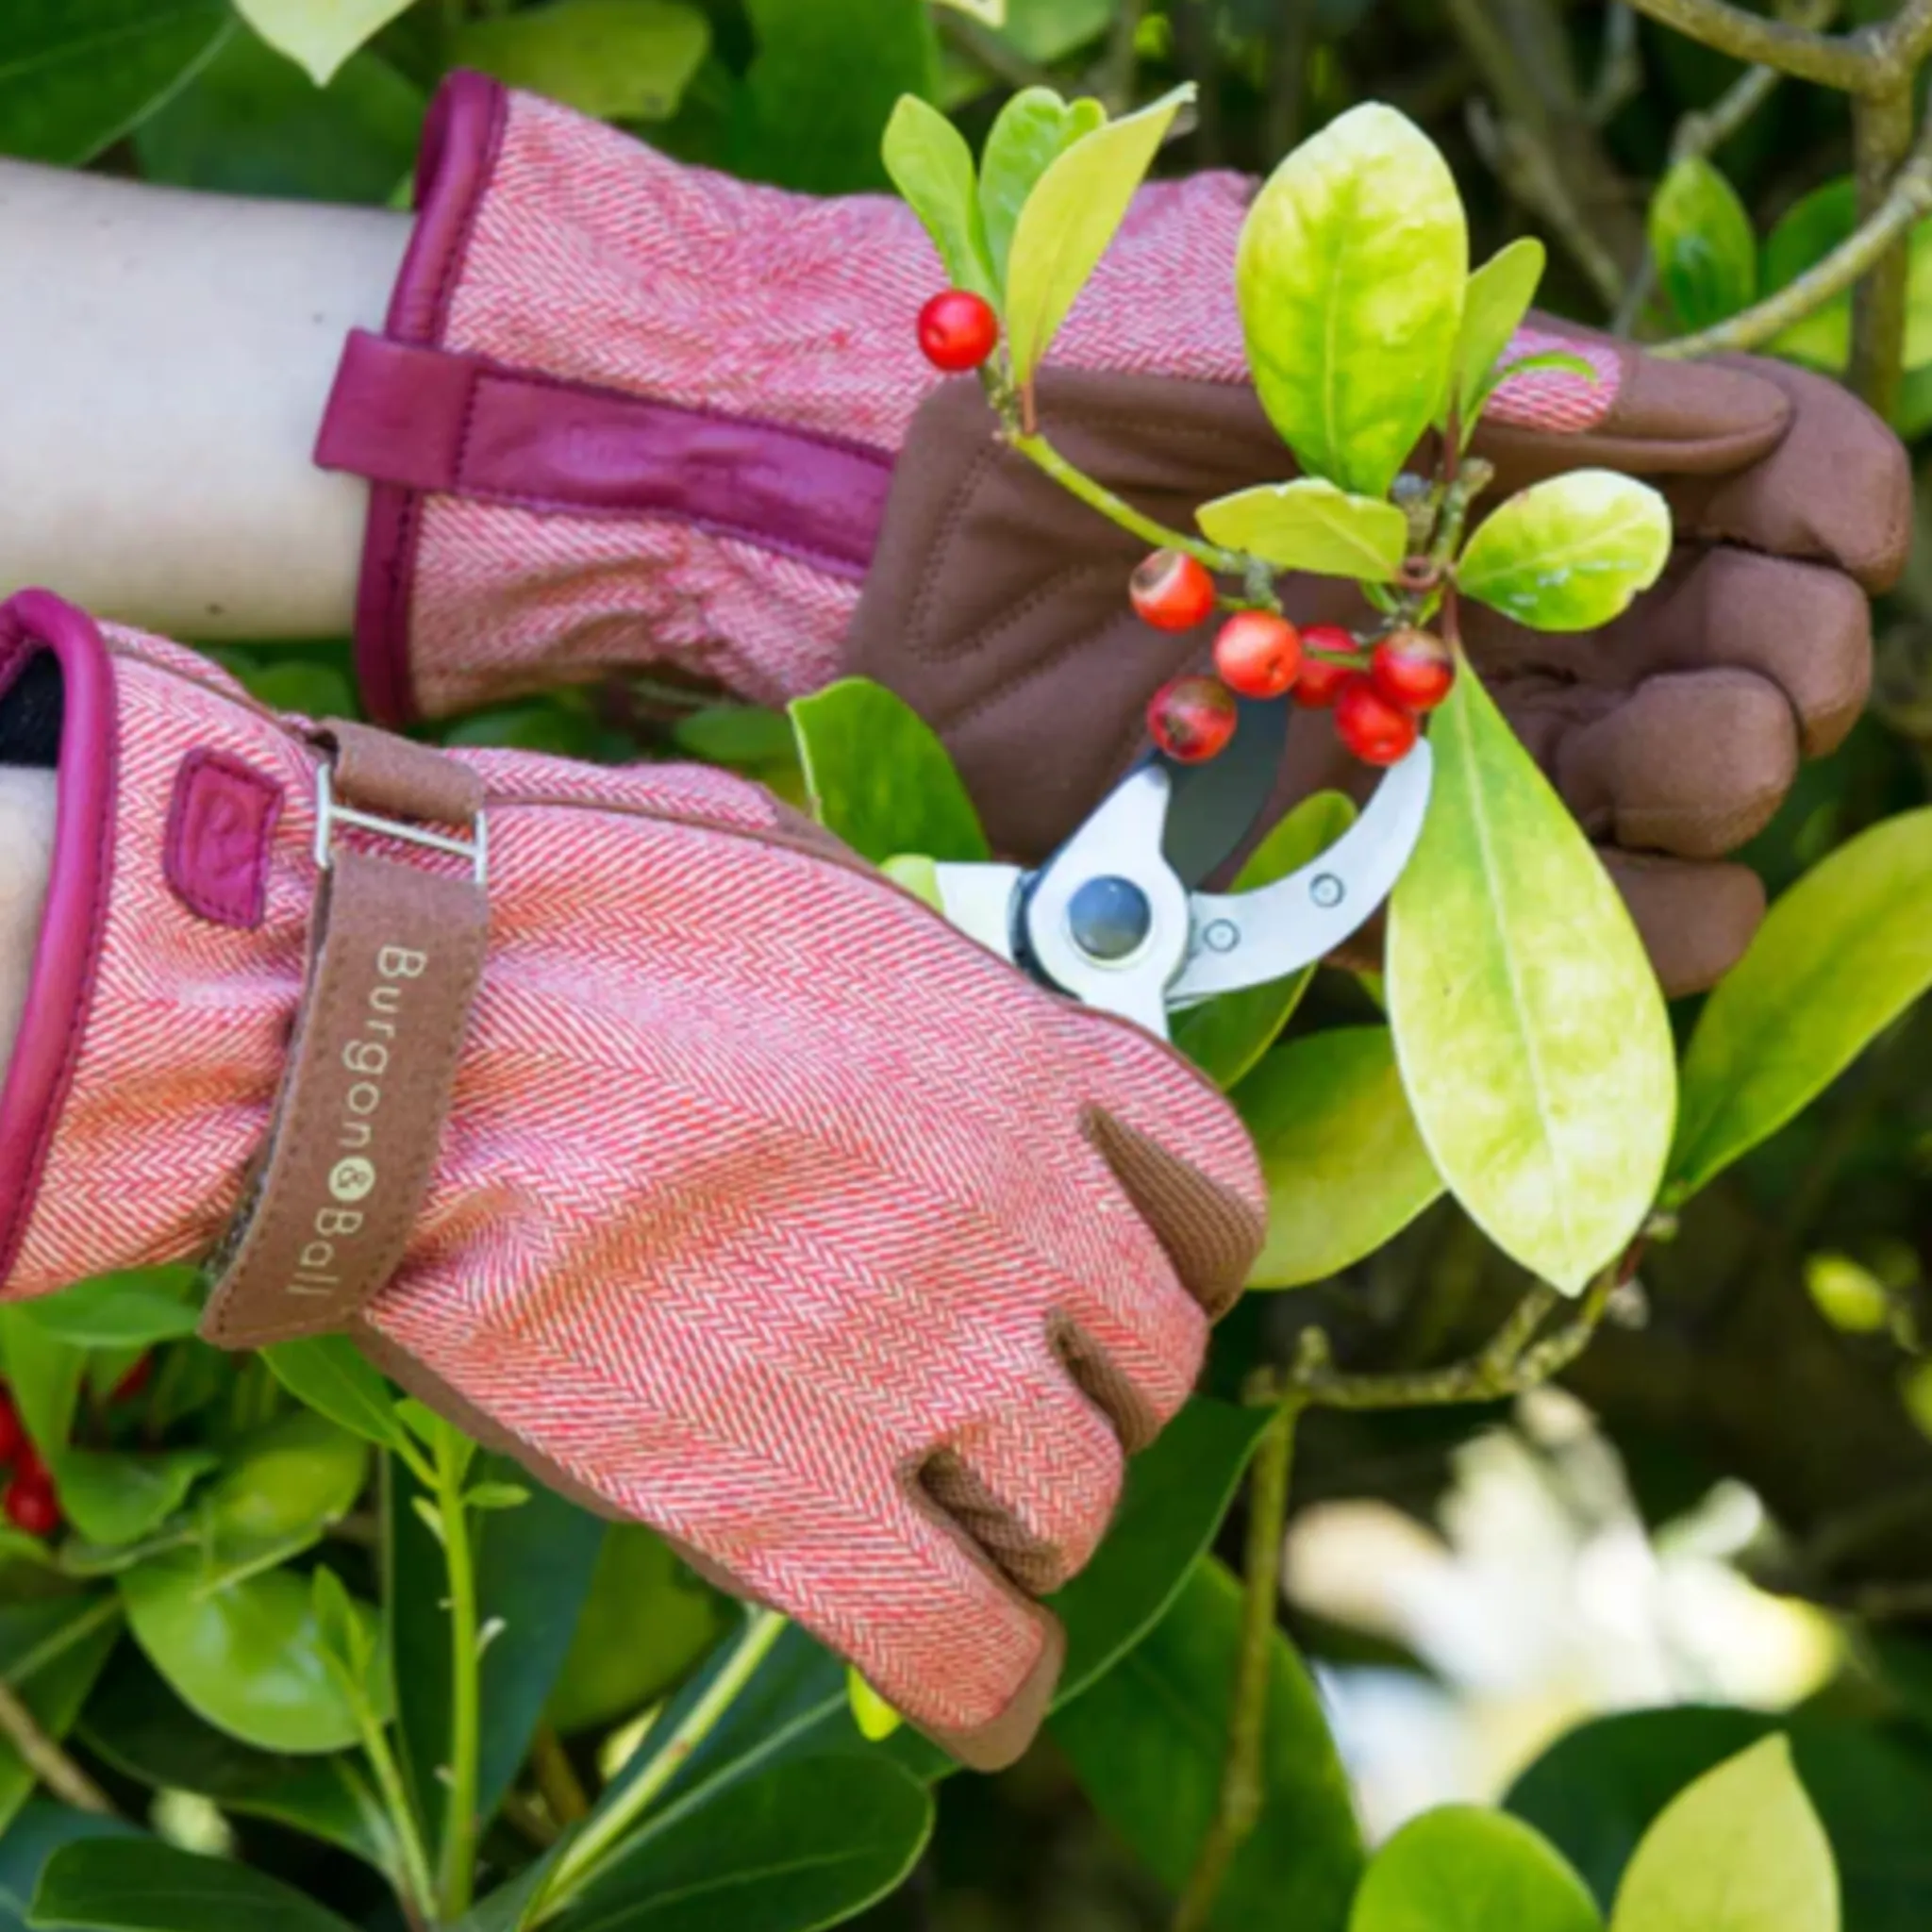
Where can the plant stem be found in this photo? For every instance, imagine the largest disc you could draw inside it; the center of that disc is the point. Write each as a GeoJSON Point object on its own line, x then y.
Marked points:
{"type": "Point", "coordinates": [557, 1778]}
{"type": "Point", "coordinates": [458, 1861]}
{"type": "Point", "coordinates": [1881, 139]}
{"type": "Point", "coordinates": [1043, 455]}
{"type": "Point", "coordinates": [416, 1883]}
{"type": "Point", "coordinates": [47, 1760]}
{"type": "Point", "coordinates": [1238, 1807]}
{"type": "Point", "coordinates": [607, 1828]}
{"type": "Point", "coordinates": [1831, 59]}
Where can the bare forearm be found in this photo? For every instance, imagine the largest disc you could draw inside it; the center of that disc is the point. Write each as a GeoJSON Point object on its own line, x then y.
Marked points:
{"type": "Point", "coordinates": [164, 359]}
{"type": "Point", "coordinates": [26, 845]}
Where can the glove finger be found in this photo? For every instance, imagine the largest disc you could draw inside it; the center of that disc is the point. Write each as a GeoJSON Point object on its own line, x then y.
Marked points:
{"type": "Point", "coordinates": [1181, 1156]}
{"type": "Point", "coordinates": [1693, 763]}
{"type": "Point", "coordinates": [1839, 488]}
{"type": "Point", "coordinates": [1695, 917]}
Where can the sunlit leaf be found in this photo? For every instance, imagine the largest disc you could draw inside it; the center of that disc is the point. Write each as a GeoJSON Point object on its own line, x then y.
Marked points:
{"type": "Point", "coordinates": [1531, 1033]}
{"type": "Point", "coordinates": [319, 34]}
{"type": "Point", "coordinates": [1461, 1868]}
{"type": "Point", "coordinates": [1497, 300]}
{"type": "Point", "coordinates": [1350, 274]}
{"type": "Point", "coordinates": [1034, 129]}
{"type": "Point", "coordinates": [1569, 554]}
{"type": "Point", "coordinates": [1840, 956]}
{"type": "Point", "coordinates": [1310, 525]}
{"type": "Point", "coordinates": [931, 166]}
{"type": "Point", "coordinates": [1347, 1169]}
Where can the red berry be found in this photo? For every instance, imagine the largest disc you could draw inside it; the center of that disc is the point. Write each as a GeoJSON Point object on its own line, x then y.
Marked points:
{"type": "Point", "coordinates": [11, 1434]}
{"type": "Point", "coordinates": [1374, 730]}
{"type": "Point", "coordinates": [1192, 718]}
{"type": "Point", "coordinates": [1257, 654]}
{"type": "Point", "coordinates": [1413, 668]}
{"type": "Point", "coordinates": [134, 1381]}
{"type": "Point", "coordinates": [1321, 678]}
{"type": "Point", "coordinates": [1172, 590]}
{"type": "Point", "coordinates": [32, 1507]}
{"type": "Point", "coordinates": [28, 1465]}
{"type": "Point", "coordinates": [957, 330]}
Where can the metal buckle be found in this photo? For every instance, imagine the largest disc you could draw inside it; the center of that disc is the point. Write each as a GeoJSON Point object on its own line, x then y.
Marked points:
{"type": "Point", "coordinates": [329, 815]}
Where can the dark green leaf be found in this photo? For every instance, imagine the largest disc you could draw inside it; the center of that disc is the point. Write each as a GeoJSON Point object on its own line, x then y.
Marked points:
{"type": "Point", "coordinates": [879, 778]}
{"type": "Point", "coordinates": [1226, 1036]}
{"type": "Point", "coordinates": [1703, 245]}
{"type": "Point", "coordinates": [51, 1653]}
{"type": "Point", "coordinates": [26, 1844]}
{"type": "Point", "coordinates": [244, 1655]}
{"type": "Point", "coordinates": [252, 122]}
{"type": "Point", "coordinates": [1347, 1169]}
{"type": "Point", "coordinates": [144, 1731]}
{"type": "Point", "coordinates": [803, 1844]}
{"type": "Point", "coordinates": [138, 1885]}
{"type": "Point", "coordinates": [1597, 1791]}
{"type": "Point", "coordinates": [617, 59]}
{"type": "Point", "coordinates": [1148, 1742]}
{"type": "Point", "coordinates": [329, 1374]}
{"type": "Point", "coordinates": [1462, 1869]}
{"type": "Point", "coordinates": [744, 737]}
{"type": "Point", "coordinates": [1034, 129]}
{"type": "Point", "coordinates": [1841, 955]}
{"type": "Point", "coordinates": [931, 166]}
{"type": "Point", "coordinates": [77, 75]}
{"type": "Point", "coordinates": [823, 84]}
{"type": "Point", "coordinates": [130, 1310]}
{"type": "Point", "coordinates": [117, 1499]}
{"type": "Point", "coordinates": [646, 1624]}
{"type": "Point", "coordinates": [43, 1375]}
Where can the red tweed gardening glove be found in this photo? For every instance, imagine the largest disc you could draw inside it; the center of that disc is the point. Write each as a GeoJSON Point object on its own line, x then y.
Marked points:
{"type": "Point", "coordinates": [681, 1155]}
{"type": "Point", "coordinates": [627, 412]}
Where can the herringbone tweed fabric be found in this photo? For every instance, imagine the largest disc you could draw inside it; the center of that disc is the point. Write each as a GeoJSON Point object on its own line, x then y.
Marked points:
{"type": "Point", "coordinates": [761, 1186]}
{"type": "Point", "coordinates": [594, 259]}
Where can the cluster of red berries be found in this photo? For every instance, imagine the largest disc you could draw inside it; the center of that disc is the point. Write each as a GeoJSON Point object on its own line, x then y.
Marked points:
{"type": "Point", "coordinates": [29, 1499]}
{"type": "Point", "coordinates": [1377, 696]}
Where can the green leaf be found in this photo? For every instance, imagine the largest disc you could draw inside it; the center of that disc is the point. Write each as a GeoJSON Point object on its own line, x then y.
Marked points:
{"type": "Point", "coordinates": [319, 35]}
{"type": "Point", "coordinates": [117, 1499]}
{"type": "Point", "coordinates": [497, 1496]}
{"type": "Point", "coordinates": [801, 1845]}
{"type": "Point", "coordinates": [876, 1719]}
{"type": "Point", "coordinates": [880, 778]}
{"type": "Point", "coordinates": [43, 1376]}
{"type": "Point", "coordinates": [1226, 1034]}
{"type": "Point", "coordinates": [823, 86]}
{"type": "Point", "coordinates": [1598, 1790]}
{"type": "Point", "coordinates": [145, 1732]}
{"type": "Point", "coordinates": [1034, 129]}
{"type": "Point", "coordinates": [1048, 31]}
{"type": "Point", "coordinates": [1494, 306]}
{"type": "Point", "coordinates": [331, 1376]}
{"type": "Point", "coordinates": [1840, 956]}
{"type": "Point", "coordinates": [252, 122]}
{"type": "Point", "coordinates": [282, 1487]}
{"type": "Point", "coordinates": [245, 1655]}
{"type": "Point", "coordinates": [1310, 525]}
{"type": "Point", "coordinates": [51, 1654]}
{"type": "Point", "coordinates": [533, 1567]}
{"type": "Point", "coordinates": [1740, 1851]}
{"type": "Point", "coordinates": [931, 166]}
{"type": "Point", "coordinates": [139, 1885]}
{"type": "Point", "coordinates": [1148, 1741]}
{"type": "Point", "coordinates": [77, 75]}
{"type": "Point", "coordinates": [1345, 1167]}
{"type": "Point", "coordinates": [33, 1838]}
{"type": "Point", "coordinates": [1068, 221]}
{"type": "Point", "coordinates": [617, 60]}
{"type": "Point", "coordinates": [1569, 554]}
{"type": "Point", "coordinates": [1703, 245]}
{"type": "Point", "coordinates": [1533, 1041]}
{"type": "Point", "coordinates": [1350, 274]}
{"type": "Point", "coordinates": [131, 1310]}
{"type": "Point", "coordinates": [1462, 1869]}
{"type": "Point", "coordinates": [646, 1624]}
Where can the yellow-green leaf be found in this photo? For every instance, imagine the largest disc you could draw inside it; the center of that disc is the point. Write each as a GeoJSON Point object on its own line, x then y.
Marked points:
{"type": "Point", "coordinates": [1310, 525]}
{"type": "Point", "coordinates": [1068, 221]}
{"type": "Point", "coordinates": [1841, 955]}
{"type": "Point", "coordinates": [1740, 1850]}
{"type": "Point", "coordinates": [1033, 131]}
{"type": "Point", "coordinates": [876, 1719]}
{"type": "Point", "coordinates": [1226, 1034]}
{"type": "Point", "coordinates": [1345, 1167]}
{"type": "Point", "coordinates": [1350, 274]}
{"type": "Point", "coordinates": [1569, 554]}
{"type": "Point", "coordinates": [319, 35]}
{"type": "Point", "coordinates": [1494, 306]}
{"type": "Point", "coordinates": [932, 167]}
{"type": "Point", "coordinates": [1534, 1043]}
{"type": "Point", "coordinates": [1463, 1868]}
{"type": "Point", "coordinates": [617, 59]}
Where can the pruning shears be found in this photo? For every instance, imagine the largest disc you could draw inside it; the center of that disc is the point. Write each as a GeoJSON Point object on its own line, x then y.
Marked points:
{"type": "Point", "coordinates": [1116, 917]}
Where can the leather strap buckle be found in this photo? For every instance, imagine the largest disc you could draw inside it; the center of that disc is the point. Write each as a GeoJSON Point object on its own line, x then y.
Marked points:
{"type": "Point", "coordinates": [330, 812]}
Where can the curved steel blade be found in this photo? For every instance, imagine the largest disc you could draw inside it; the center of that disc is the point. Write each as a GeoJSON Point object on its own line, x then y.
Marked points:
{"type": "Point", "coordinates": [1215, 805]}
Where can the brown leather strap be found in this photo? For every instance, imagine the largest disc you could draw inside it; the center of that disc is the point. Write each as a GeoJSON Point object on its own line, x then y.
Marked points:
{"type": "Point", "coordinates": [397, 954]}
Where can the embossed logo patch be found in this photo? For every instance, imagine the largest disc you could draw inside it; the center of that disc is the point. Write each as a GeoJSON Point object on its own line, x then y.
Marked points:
{"type": "Point", "coordinates": [219, 825]}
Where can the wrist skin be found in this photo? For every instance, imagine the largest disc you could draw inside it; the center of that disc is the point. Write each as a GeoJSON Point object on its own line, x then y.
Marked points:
{"type": "Point", "coordinates": [26, 849]}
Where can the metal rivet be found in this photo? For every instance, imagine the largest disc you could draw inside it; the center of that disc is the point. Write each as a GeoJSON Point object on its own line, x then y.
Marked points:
{"type": "Point", "coordinates": [1328, 891]}
{"type": "Point", "coordinates": [1222, 937]}
{"type": "Point", "coordinates": [1110, 919]}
